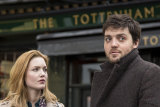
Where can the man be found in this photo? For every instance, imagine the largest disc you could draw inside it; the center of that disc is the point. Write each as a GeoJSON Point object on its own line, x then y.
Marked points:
{"type": "Point", "coordinates": [126, 79]}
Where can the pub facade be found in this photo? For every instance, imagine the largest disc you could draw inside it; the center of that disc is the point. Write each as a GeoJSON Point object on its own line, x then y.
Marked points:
{"type": "Point", "coordinates": [72, 38]}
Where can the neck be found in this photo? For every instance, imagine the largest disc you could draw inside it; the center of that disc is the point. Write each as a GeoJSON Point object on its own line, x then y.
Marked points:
{"type": "Point", "coordinates": [33, 96]}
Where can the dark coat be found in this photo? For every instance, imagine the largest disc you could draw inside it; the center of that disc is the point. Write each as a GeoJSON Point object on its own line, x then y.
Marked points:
{"type": "Point", "coordinates": [132, 82]}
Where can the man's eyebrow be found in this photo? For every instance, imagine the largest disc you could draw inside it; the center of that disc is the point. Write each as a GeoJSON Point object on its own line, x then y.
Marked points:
{"type": "Point", "coordinates": [106, 35]}
{"type": "Point", "coordinates": [121, 34]}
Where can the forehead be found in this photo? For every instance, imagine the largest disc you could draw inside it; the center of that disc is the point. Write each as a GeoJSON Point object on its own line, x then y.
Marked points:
{"type": "Point", "coordinates": [37, 60]}
{"type": "Point", "coordinates": [115, 31]}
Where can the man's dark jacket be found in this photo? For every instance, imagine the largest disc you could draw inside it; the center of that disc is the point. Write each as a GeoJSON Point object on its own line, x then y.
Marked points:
{"type": "Point", "coordinates": [132, 82]}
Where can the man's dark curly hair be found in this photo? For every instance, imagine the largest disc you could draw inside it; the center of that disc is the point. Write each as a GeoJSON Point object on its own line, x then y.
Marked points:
{"type": "Point", "coordinates": [123, 21]}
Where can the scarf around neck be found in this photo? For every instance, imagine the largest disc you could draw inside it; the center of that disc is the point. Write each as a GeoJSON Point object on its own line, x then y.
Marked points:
{"type": "Point", "coordinates": [42, 102]}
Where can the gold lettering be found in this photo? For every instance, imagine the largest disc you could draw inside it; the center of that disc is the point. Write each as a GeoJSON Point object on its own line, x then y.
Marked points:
{"type": "Point", "coordinates": [129, 12]}
{"type": "Point", "coordinates": [138, 14]}
{"type": "Point", "coordinates": [43, 23]}
{"type": "Point", "coordinates": [145, 38]}
{"type": "Point", "coordinates": [101, 17]}
{"type": "Point", "coordinates": [94, 17]}
{"type": "Point", "coordinates": [50, 22]}
{"type": "Point", "coordinates": [154, 40]}
{"type": "Point", "coordinates": [35, 23]}
{"type": "Point", "coordinates": [116, 12]}
{"type": "Point", "coordinates": [149, 12]}
{"type": "Point", "coordinates": [109, 13]}
{"type": "Point", "coordinates": [84, 19]}
{"type": "Point", "coordinates": [75, 19]}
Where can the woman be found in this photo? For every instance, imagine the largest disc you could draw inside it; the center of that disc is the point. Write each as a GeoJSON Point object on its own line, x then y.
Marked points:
{"type": "Point", "coordinates": [28, 83]}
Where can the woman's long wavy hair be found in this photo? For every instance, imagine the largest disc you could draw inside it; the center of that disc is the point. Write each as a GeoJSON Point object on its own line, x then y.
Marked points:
{"type": "Point", "coordinates": [17, 88]}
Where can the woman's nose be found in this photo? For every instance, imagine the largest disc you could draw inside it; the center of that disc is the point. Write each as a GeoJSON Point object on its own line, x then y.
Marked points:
{"type": "Point", "coordinates": [42, 72]}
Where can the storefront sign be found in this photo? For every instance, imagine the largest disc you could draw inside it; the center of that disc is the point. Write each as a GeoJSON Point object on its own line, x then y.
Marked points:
{"type": "Point", "coordinates": [150, 39]}
{"type": "Point", "coordinates": [81, 19]}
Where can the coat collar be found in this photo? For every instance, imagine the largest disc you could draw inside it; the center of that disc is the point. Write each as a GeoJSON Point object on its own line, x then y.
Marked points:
{"type": "Point", "coordinates": [114, 72]}
{"type": "Point", "coordinates": [123, 61]}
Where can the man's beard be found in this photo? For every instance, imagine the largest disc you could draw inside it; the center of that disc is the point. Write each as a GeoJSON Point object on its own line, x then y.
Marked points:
{"type": "Point", "coordinates": [112, 61]}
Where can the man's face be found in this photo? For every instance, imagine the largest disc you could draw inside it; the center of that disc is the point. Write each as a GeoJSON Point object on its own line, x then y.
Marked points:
{"type": "Point", "coordinates": [118, 43]}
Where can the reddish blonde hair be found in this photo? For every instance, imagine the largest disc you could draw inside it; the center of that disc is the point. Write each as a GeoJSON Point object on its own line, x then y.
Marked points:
{"type": "Point", "coordinates": [17, 89]}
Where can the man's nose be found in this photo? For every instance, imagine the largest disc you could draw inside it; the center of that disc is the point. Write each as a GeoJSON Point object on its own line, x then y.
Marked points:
{"type": "Point", "coordinates": [114, 43]}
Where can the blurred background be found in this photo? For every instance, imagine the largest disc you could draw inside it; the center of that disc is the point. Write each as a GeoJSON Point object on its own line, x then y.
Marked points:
{"type": "Point", "coordinates": [70, 33]}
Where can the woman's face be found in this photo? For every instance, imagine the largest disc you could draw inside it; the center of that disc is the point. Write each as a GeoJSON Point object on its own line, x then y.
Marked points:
{"type": "Point", "coordinates": [36, 74]}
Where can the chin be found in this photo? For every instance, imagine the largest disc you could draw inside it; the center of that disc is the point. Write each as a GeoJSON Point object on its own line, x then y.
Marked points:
{"type": "Point", "coordinates": [41, 87]}
{"type": "Point", "coordinates": [114, 60]}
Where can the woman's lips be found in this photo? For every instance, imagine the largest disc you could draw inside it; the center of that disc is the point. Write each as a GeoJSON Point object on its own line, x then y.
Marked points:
{"type": "Point", "coordinates": [42, 81]}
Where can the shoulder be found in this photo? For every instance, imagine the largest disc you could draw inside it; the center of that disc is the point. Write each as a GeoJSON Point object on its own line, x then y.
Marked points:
{"type": "Point", "coordinates": [144, 70]}
{"type": "Point", "coordinates": [5, 104]}
{"type": "Point", "coordinates": [55, 104]}
{"type": "Point", "coordinates": [151, 67]}
{"type": "Point", "coordinates": [151, 73]}
{"type": "Point", "coordinates": [143, 65]}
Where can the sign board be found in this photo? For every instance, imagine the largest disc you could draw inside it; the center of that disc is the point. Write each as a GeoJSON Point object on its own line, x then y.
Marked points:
{"type": "Point", "coordinates": [150, 39]}
{"type": "Point", "coordinates": [80, 19]}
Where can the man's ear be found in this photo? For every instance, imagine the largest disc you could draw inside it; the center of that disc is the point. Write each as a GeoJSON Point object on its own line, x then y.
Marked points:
{"type": "Point", "coordinates": [136, 43]}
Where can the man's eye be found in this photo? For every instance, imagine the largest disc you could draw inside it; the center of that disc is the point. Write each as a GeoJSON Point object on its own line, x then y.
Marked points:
{"type": "Point", "coordinates": [121, 38]}
{"type": "Point", "coordinates": [107, 39]}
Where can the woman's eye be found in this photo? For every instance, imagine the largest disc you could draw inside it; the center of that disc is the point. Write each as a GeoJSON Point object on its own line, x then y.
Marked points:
{"type": "Point", "coordinates": [45, 69]}
{"type": "Point", "coordinates": [35, 69]}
